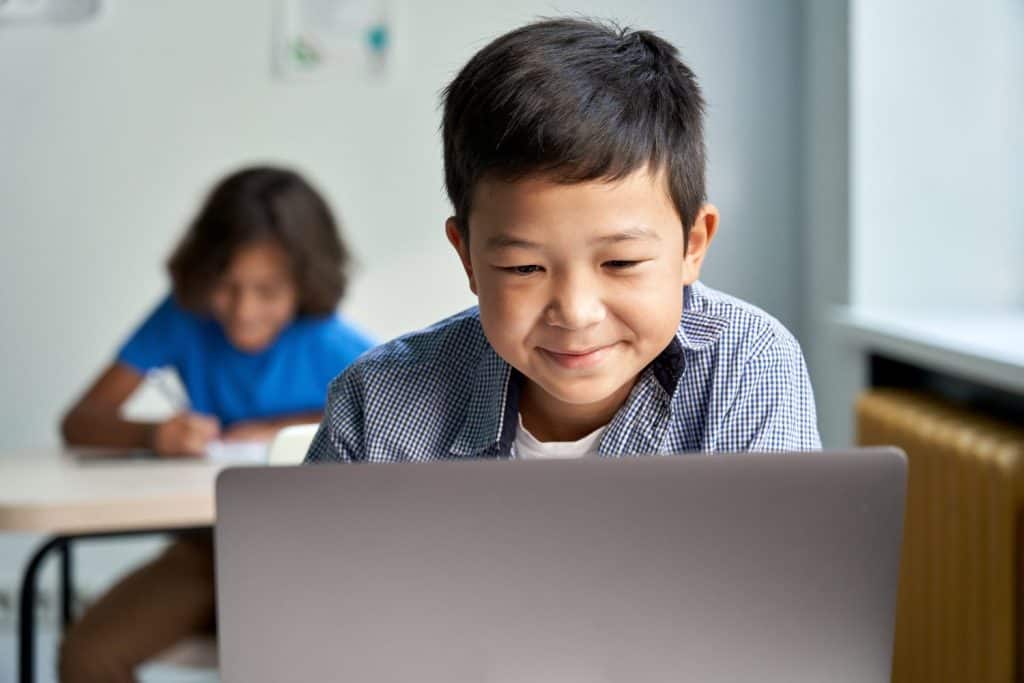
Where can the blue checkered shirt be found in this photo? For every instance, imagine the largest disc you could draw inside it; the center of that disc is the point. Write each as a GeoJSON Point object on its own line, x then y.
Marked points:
{"type": "Point", "coordinates": [733, 379]}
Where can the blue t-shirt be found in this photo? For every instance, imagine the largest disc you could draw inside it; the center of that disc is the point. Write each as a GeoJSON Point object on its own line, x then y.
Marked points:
{"type": "Point", "coordinates": [289, 376]}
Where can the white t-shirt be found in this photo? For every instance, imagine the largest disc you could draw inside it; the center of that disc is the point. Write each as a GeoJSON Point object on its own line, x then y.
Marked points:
{"type": "Point", "coordinates": [527, 447]}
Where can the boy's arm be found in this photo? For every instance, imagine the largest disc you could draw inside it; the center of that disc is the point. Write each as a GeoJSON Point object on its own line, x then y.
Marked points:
{"type": "Point", "coordinates": [95, 420]}
{"type": "Point", "coordinates": [773, 409]}
{"type": "Point", "coordinates": [340, 436]}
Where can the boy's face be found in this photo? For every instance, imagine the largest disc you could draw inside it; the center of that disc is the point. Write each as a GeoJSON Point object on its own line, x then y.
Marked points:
{"type": "Point", "coordinates": [256, 296]}
{"type": "Point", "coordinates": [579, 285]}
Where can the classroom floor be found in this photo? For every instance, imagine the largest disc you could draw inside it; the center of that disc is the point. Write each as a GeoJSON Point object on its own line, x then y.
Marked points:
{"type": "Point", "coordinates": [46, 672]}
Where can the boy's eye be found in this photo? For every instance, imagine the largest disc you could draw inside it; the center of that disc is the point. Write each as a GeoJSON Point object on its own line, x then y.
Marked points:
{"type": "Point", "coordinates": [621, 265]}
{"type": "Point", "coordinates": [522, 270]}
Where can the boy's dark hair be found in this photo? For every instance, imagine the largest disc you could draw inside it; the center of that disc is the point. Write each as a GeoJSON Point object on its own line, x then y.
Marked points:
{"type": "Point", "coordinates": [254, 205]}
{"type": "Point", "coordinates": [576, 100]}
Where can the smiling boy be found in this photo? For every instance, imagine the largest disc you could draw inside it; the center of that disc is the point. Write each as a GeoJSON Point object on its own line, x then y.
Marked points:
{"type": "Point", "coordinates": [574, 159]}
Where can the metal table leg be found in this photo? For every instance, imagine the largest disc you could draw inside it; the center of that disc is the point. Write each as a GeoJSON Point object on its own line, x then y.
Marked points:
{"type": "Point", "coordinates": [67, 586]}
{"type": "Point", "coordinates": [30, 589]}
{"type": "Point", "coordinates": [27, 610]}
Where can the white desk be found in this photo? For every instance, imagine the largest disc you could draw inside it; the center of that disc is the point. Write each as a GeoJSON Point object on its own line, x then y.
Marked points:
{"type": "Point", "coordinates": [79, 492]}
{"type": "Point", "coordinates": [987, 347]}
{"type": "Point", "coordinates": [67, 492]}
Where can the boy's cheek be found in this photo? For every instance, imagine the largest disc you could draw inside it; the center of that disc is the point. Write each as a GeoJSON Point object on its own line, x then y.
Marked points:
{"type": "Point", "coordinates": [502, 292]}
{"type": "Point", "coordinates": [507, 317]}
{"type": "Point", "coordinates": [503, 307]}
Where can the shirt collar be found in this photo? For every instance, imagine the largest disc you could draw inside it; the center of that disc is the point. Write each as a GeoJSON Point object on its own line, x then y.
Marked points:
{"type": "Point", "coordinates": [697, 329]}
{"type": "Point", "coordinates": [489, 426]}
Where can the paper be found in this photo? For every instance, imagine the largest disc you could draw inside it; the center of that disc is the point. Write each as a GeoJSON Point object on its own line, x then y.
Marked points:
{"type": "Point", "coordinates": [237, 452]}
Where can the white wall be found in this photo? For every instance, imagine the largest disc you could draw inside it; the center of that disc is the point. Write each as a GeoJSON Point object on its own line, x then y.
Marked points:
{"type": "Point", "coordinates": [937, 146]}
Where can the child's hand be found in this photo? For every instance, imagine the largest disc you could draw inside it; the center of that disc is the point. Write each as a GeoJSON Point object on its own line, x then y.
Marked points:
{"type": "Point", "coordinates": [251, 431]}
{"type": "Point", "coordinates": [185, 434]}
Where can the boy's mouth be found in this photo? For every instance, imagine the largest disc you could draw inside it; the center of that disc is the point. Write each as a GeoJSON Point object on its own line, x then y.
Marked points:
{"type": "Point", "coordinates": [577, 359]}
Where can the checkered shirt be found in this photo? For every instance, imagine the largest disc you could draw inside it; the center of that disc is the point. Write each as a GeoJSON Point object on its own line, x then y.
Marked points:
{"type": "Point", "coordinates": [733, 379]}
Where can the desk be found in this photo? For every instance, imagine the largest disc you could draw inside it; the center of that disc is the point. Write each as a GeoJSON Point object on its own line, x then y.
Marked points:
{"type": "Point", "coordinates": [80, 493]}
{"type": "Point", "coordinates": [985, 347]}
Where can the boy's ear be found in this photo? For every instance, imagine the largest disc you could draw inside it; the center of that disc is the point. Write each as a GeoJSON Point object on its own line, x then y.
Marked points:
{"type": "Point", "coordinates": [701, 233]}
{"type": "Point", "coordinates": [451, 229]}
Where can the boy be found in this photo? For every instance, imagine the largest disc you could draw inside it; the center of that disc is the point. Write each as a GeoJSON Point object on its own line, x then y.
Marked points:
{"type": "Point", "coordinates": [574, 159]}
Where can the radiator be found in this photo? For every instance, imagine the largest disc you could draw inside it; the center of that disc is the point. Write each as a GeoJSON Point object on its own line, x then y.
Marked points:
{"type": "Point", "coordinates": [960, 596]}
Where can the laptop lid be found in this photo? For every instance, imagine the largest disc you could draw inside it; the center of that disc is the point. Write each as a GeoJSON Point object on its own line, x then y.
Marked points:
{"type": "Point", "coordinates": [774, 568]}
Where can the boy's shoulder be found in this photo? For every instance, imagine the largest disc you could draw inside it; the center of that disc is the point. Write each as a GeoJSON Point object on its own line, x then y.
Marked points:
{"type": "Point", "coordinates": [438, 353]}
{"type": "Point", "coordinates": [745, 385]}
{"type": "Point", "coordinates": [714, 320]}
{"type": "Point", "coordinates": [431, 392]}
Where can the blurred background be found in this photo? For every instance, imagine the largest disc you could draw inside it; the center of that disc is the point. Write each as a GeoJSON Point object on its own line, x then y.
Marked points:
{"type": "Point", "coordinates": [866, 157]}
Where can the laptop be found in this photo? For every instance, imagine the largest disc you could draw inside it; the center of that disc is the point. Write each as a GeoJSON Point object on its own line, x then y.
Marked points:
{"type": "Point", "coordinates": [771, 568]}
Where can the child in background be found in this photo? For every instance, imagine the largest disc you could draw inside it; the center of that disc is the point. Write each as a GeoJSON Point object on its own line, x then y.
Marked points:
{"type": "Point", "coordinates": [574, 161]}
{"type": "Point", "coordinates": [252, 330]}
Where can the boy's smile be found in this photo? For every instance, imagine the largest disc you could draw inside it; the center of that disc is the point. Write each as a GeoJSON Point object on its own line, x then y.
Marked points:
{"type": "Point", "coordinates": [582, 359]}
{"type": "Point", "coordinates": [580, 287]}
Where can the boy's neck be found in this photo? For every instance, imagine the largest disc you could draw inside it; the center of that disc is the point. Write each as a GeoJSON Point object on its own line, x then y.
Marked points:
{"type": "Point", "coordinates": [549, 419]}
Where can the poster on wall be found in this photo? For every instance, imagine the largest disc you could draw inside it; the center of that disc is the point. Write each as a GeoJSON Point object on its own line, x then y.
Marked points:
{"type": "Point", "coordinates": [319, 39]}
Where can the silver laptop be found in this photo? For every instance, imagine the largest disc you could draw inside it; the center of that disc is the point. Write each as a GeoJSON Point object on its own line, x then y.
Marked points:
{"type": "Point", "coordinates": [767, 568]}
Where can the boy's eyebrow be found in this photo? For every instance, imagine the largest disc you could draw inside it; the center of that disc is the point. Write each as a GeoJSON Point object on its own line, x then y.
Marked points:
{"type": "Point", "coordinates": [636, 232]}
{"type": "Point", "coordinates": [506, 241]}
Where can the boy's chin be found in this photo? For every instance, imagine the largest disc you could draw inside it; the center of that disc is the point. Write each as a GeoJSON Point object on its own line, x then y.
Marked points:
{"type": "Point", "coordinates": [250, 344]}
{"type": "Point", "coordinates": [600, 394]}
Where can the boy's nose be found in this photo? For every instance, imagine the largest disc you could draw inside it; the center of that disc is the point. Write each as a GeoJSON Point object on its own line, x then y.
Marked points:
{"type": "Point", "coordinates": [575, 305]}
{"type": "Point", "coordinates": [244, 309]}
